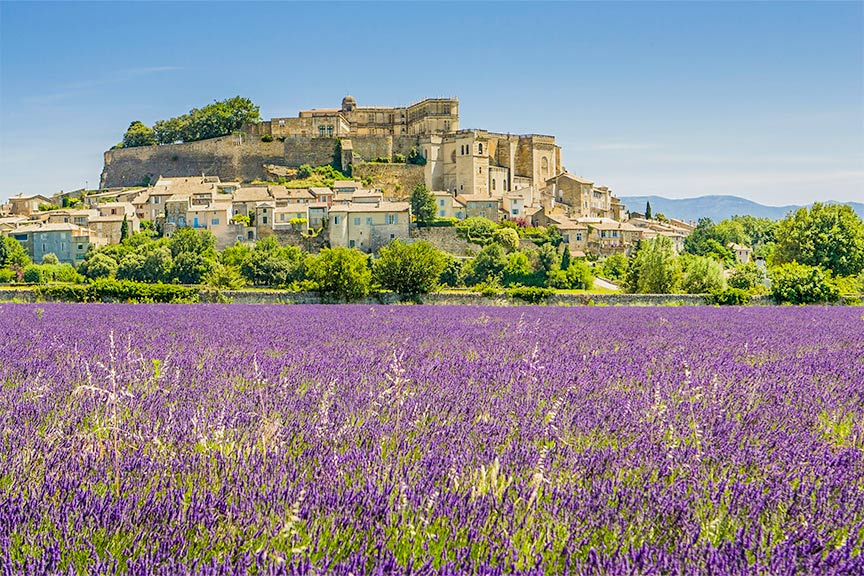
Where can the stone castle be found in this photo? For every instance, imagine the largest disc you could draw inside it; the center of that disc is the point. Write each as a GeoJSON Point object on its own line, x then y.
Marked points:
{"type": "Point", "coordinates": [465, 162]}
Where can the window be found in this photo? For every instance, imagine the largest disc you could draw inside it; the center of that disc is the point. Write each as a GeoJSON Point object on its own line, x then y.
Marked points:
{"type": "Point", "coordinates": [392, 236]}
{"type": "Point", "coordinates": [369, 221]}
{"type": "Point", "coordinates": [578, 236]}
{"type": "Point", "coordinates": [155, 200]}
{"type": "Point", "coordinates": [442, 214]}
{"type": "Point", "coordinates": [504, 184]}
{"type": "Point", "coordinates": [335, 220]}
{"type": "Point", "coordinates": [321, 130]}
{"type": "Point", "coordinates": [80, 247]}
{"type": "Point", "coordinates": [264, 220]}
{"type": "Point", "coordinates": [282, 217]}
{"type": "Point", "coordinates": [493, 184]}
{"type": "Point", "coordinates": [441, 202]}
{"type": "Point", "coordinates": [481, 148]}
{"type": "Point", "coordinates": [214, 222]}
{"type": "Point", "coordinates": [351, 243]}
{"type": "Point", "coordinates": [392, 218]}
{"type": "Point", "coordinates": [43, 247]}
{"type": "Point", "coordinates": [480, 170]}
{"type": "Point", "coordinates": [514, 212]}
{"type": "Point", "coordinates": [356, 221]}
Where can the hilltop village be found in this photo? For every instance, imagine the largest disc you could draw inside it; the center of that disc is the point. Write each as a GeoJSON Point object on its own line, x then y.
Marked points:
{"type": "Point", "coordinates": [277, 178]}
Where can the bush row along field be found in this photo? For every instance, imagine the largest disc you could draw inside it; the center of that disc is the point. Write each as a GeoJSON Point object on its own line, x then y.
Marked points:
{"type": "Point", "coordinates": [211, 439]}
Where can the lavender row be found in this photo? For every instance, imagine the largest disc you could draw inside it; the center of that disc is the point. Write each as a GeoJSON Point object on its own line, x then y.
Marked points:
{"type": "Point", "coordinates": [389, 440]}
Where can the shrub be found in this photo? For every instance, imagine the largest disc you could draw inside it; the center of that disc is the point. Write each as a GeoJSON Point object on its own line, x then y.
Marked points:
{"type": "Point", "coordinates": [507, 238]}
{"type": "Point", "coordinates": [6, 275]}
{"type": "Point", "coordinates": [730, 297]}
{"type": "Point", "coordinates": [399, 158]}
{"type": "Point", "coordinates": [267, 138]}
{"type": "Point", "coordinates": [34, 274]}
{"type": "Point", "coordinates": [801, 284]}
{"type": "Point", "coordinates": [444, 222]}
{"type": "Point", "coordinates": [341, 273]}
{"type": "Point", "coordinates": [50, 258]}
{"type": "Point", "coordinates": [409, 270]}
{"type": "Point", "coordinates": [476, 229]}
{"type": "Point", "coordinates": [747, 277]}
{"type": "Point", "coordinates": [110, 290]}
{"type": "Point", "coordinates": [531, 294]}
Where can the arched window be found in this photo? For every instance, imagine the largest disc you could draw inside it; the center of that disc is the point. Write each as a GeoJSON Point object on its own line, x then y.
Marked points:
{"type": "Point", "coordinates": [544, 165]}
{"type": "Point", "coordinates": [481, 148]}
{"type": "Point", "coordinates": [493, 184]}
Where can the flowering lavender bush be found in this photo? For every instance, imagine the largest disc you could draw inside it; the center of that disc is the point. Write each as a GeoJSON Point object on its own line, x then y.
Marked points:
{"type": "Point", "coordinates": [213, 439]}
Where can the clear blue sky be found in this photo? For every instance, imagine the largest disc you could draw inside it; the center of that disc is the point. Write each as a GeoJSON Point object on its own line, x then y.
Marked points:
{"type": "Point", "coordinates": [762, 100]}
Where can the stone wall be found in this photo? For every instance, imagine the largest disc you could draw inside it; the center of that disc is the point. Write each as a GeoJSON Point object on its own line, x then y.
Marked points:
{"type": "Point", "coordinates": [445, 238]}
{"type": "Point", "coordinates": [396, 180]}
{"type": "Point", "coordinates": [231, 158]}
{"type": "Point", "coordinates": [295, 238]}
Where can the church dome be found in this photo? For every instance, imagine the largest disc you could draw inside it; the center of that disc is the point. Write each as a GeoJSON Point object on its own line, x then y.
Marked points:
{"type": "Point", "coordinates": [348, 104]}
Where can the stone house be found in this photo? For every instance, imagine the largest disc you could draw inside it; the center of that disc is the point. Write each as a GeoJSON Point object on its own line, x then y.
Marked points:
{"type": "Point", "coordinates": [480, 205]}
{"type": "Point", "coordinates": [447, 205]}
{"type": "Point", "coordinates": [20, 205]}
{"type": "Point", "coordinates": [368, 226]}
{"type": "Point", "coordinates": [67, 241]}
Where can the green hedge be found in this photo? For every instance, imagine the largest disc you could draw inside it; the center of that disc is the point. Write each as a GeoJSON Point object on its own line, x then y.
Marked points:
{"type": "Point", "coordinates": [531, 294]}
{"type": "Point", "coordinates": [729, 297]}
{"type": "Point", "coordinates": [107, 290]}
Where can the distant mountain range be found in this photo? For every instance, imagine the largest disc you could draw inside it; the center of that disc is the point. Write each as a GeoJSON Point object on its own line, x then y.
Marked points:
{"type": "Point", "coordinates": [715, 207]}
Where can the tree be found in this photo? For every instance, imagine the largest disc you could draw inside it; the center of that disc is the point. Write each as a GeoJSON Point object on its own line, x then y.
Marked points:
{"type": "Point", "coordinates": [51, 259]}
{"type": "Point", "coordinates": [748, 277]}
{"type": "Point", "coordinates": [99, 265]}
{"type": "Point", "coordinates": [416, 157]}
{"type": "Point", "coordinates": [124, 229]}
{"type": "Point", "coordinates": [130, 267]}
{"type": "Point", "coordinates": [703, 275]}
{"type": "Point", "coordinates": [4, 251]}
{"type": "Point", "coordinates": [341, 273]}
{"type": "Point", "coordinates": [708, 239]}
{"type": "Point", "coordinates": [170, 131]}
{"type": "Point", "coordinates": [409, 270]}
{"type": "Point", "coordinates": [190, 240]}
{"type": "Point", "coordinates": [16, 254]}
{"type": "Point", "coordinates": [565, 258]}
{"type": "Point", "coordinates": [235, 255]}
{"type": "Point", "coordinates": [518, 270]}
{"type": "Point", "coordinates": [654, 268]}
{"type": "Point", "coordinates": [827, 235]}
{"type": "Point", "coordinates": [507, 238]}
{"type": "Point", "coordinates": [422, 205]}
{"type": "Point", "coordinates": [487, 265]}
{"type": "Point", "coordinates": [452, 273]}
{"type": "Point", "coordinates": [801, 284]}
{"type": "Point", "coordinates": [648, 210]}
{"type": "Point", "coordinates": [225, 277]}
{"type": "Point", "coordinates": [138, 134]}
{"type": "Point", "coordinates": [576, 276]}
{"type": "Point", "coordinates": [615, 267]}
{"type": "Point", "coordinates": [271, 264]}
{"type": "Point", "coordinates": [157, 265]}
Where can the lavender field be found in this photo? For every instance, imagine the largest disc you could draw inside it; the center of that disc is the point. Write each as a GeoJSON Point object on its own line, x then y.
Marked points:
{"type": "Point", "coordinates": [211, 439]}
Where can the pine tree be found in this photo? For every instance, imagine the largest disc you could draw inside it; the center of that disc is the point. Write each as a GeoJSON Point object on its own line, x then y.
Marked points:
{"type": "Point", "coordinates": [124, 229]}
{"type": "Point", "coordinates": [648, 210]}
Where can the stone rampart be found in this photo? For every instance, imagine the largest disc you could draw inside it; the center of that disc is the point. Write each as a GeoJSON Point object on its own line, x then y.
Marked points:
{"type": "Point", "coordinates": [239, 157]}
